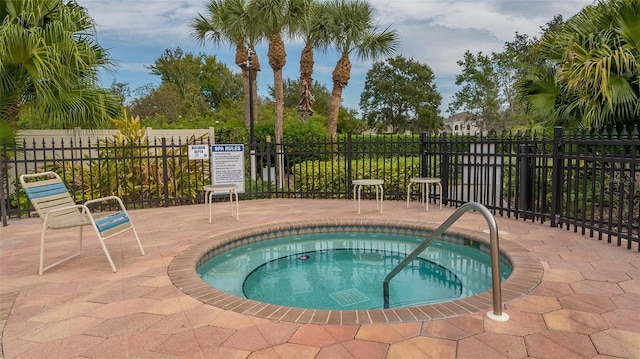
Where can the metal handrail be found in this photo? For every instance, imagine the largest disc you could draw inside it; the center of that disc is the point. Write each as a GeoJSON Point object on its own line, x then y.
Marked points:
{"type": "Point", "coordinates": [497, 313]}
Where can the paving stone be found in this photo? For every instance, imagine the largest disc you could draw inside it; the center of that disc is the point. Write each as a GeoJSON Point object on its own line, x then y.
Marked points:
{"type": "Point", "coordinates": [574, 321]}
{"type": "Point", "coordinates": [585, 305]}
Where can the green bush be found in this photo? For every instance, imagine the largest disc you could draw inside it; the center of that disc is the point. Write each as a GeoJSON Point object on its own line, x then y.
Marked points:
{"type": "Point", "coordinates": [125, 168]}
{"type": "Point", "coordinates": [365, 146]}
{"type": "Point", "coordinates": [316, 176]}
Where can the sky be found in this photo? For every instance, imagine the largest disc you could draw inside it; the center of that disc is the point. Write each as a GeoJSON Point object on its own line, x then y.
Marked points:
{"type": "Point", "coordinates": [433, 32]}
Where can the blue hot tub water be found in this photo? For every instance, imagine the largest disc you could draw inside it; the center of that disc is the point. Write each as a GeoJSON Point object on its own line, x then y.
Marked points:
{"type": "Point", "coordinates": [345, 271]}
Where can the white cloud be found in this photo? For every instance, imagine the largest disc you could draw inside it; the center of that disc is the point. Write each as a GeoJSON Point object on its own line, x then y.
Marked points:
{"type": "Point", "coordinates": [148, 21]}
{"type": "Point", "coordinates": [434, 32]}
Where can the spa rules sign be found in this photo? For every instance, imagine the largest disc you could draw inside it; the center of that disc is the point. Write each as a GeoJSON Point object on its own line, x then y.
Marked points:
{"type": "Point", "coordinates": [227, 165]}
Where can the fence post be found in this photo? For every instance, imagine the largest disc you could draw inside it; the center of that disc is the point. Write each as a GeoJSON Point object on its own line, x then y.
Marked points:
{"type": "Point", "coordinates": [347, 158]}
{"type": "Point", "coordinates": [445, 153]}
{"type": "Point", "coordinates": [557, 176]}
{"type": "Point", "coordinates": [280, 165]}
{"type": "Point", "coordinates": [423, 155]}
{"type": "Point", "coordinates": [3, 204]}
{"type": "Point", "coordinates": [268, 144]}
{"type": "Point", "coordinates": [165, 172]}
{"type": "Point", "coordinates": [77, 152]}
{"type": "Point", "coordinates": [525, 164]}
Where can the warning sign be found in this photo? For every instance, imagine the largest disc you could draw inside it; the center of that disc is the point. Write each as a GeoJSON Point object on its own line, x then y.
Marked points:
{"type": "Point", "coordinates": [227, 165]}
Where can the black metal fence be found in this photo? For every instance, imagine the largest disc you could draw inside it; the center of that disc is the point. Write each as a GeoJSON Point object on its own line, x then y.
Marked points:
{"type": "Point", "coordinates": [587, 182]}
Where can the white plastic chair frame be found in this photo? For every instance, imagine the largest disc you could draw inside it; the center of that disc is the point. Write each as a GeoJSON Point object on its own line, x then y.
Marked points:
{"type": "Point", "coordinates": [57, 210]}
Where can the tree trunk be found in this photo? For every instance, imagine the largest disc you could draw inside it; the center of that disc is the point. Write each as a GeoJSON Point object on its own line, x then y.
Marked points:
{"type": "Point", "coordinates": [12, 111]}
{"type": "Point", "coordinates": [334, 109]}
{"type": "Point", "coordinates": [279, 94]}
{"type": "Point", "coordinates": [341, 76]}
{"type": "Point", "coordinates": [277, 60]}
{"type": "Point", "coordinates": [305, 104]}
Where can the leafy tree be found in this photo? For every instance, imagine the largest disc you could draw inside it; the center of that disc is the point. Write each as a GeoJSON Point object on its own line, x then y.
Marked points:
{"type": "Point", "coordinates": [400, 94]}
{"type": "Point", "coordinates": [180, 69]}
{"type": "Point", "coordinates": [122, 90]}
{"type": "Point", "coordinates": [49, 63]}
{"type": "Point", "coordinates": [590, 77]}
{"type": "Point", "coordinates": [511, 65]}
{"type": "Point", "coordinates": [348, 122]}
{"type": "Point", "coordinates": [163, 101]}
{"type": "Point", "coordinates": [480, 93]}
{"type": "Point", "coordinates": [490, 91]}
{"type": "Point", "coordinates": [352, 31]}
{"type": "Point", "coordinates": [518, 62]}
{"type": "Point", "coordinates": [200, 79]}
{"type": "Point", "coordinates": [218, 84]}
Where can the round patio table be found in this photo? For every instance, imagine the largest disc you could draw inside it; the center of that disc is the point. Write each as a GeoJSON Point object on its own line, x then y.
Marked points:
{"type": "Point", "coordinates": [357, 189]}
{"type": "Point", "coordinates": [211, 190]}
{"type": "Point", "coordinates": [425, 186]}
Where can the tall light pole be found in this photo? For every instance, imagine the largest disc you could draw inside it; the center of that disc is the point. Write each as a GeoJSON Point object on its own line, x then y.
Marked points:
{"type": "Point", "coordinates": [250, 67]}
{"type": "Point", "coordinates": [252, 139]}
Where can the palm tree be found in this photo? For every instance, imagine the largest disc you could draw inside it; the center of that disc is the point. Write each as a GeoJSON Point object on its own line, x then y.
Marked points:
{"type": "Point", "coordinates": [590, 80]}
{"type": "Point", "coordinates": [314, 32]}
{"type": "Point", "coordinates": [49, 63]}
{"type": "Point", "coordinates": [278, 17]}
{"type": "Point", "coordinates": [548, 101]}
{"type": "Point", "coordinates": [229, 21]}
{"type": "Point", "coordinates": [350, 25]}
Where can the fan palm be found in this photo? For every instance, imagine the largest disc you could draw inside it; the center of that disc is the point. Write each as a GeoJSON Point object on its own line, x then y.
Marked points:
{"type": "Point", "coordinates": [230, 22]}
{"type": "Point", "coordinates": [49, 63]}
{"type": "Point", "coordinates": [350, 25]}
{"type": "Point", "coordinates": [315, 36]}
{"type": "Point", "coordinates": [594, 58]}
{"type": "Point", "coordinates": [278, 17]}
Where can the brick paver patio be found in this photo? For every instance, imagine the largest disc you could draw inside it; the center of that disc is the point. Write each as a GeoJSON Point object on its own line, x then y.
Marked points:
{"type": "Point", "coordinates": [586, 305]}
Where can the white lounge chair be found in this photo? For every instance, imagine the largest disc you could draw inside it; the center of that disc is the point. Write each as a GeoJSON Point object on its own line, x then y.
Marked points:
{"type": "Point", "coordinates": [57, 210]}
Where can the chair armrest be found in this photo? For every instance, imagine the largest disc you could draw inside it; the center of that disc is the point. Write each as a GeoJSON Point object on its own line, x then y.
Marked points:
{"type": "Point", "coordinates": [105, 199]}
{"type": "Point", "coordinates": [85, 212]}
{"type": "Point", "coordinates": [62, 209]}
